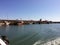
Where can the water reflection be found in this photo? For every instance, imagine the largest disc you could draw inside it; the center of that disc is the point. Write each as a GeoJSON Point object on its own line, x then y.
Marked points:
{"type": "Point", "coordinates": [7, 28]}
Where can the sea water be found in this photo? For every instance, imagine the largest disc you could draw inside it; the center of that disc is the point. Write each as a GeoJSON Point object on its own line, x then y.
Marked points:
{"type": "Point", "coordinates": [34, 34]}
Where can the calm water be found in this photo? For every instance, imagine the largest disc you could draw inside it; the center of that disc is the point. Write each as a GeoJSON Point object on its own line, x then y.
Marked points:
{"type": "Point", "coordinates": [39, 34]}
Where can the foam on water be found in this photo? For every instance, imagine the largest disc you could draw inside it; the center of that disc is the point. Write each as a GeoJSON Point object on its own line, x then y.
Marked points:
{"type": "Point", "coordinates": [51, 42]}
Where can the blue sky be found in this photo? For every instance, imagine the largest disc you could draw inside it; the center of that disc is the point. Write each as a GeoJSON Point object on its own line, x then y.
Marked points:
{"type": "Point", "coordinates": [30, 9]}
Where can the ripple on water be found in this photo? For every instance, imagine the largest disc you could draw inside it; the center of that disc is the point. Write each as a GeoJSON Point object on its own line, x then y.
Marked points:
{"type": "Point", "coordinates": [51, 42]}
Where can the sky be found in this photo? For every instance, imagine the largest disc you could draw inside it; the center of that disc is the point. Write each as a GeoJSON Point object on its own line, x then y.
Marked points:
{"type": "Point", "coordinates": [30, 9]}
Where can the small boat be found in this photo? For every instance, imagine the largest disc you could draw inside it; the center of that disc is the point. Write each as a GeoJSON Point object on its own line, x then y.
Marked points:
{"type": "Point", "coordinates": [4, 40]}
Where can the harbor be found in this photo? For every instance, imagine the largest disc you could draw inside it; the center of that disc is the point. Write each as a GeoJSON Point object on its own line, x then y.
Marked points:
{"type": "Point", "coordinates": [29, 22]}
{"type": "Point", "coordinates": [25, 22]}
{"type": "Point", "coordinates": [22, 22]}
